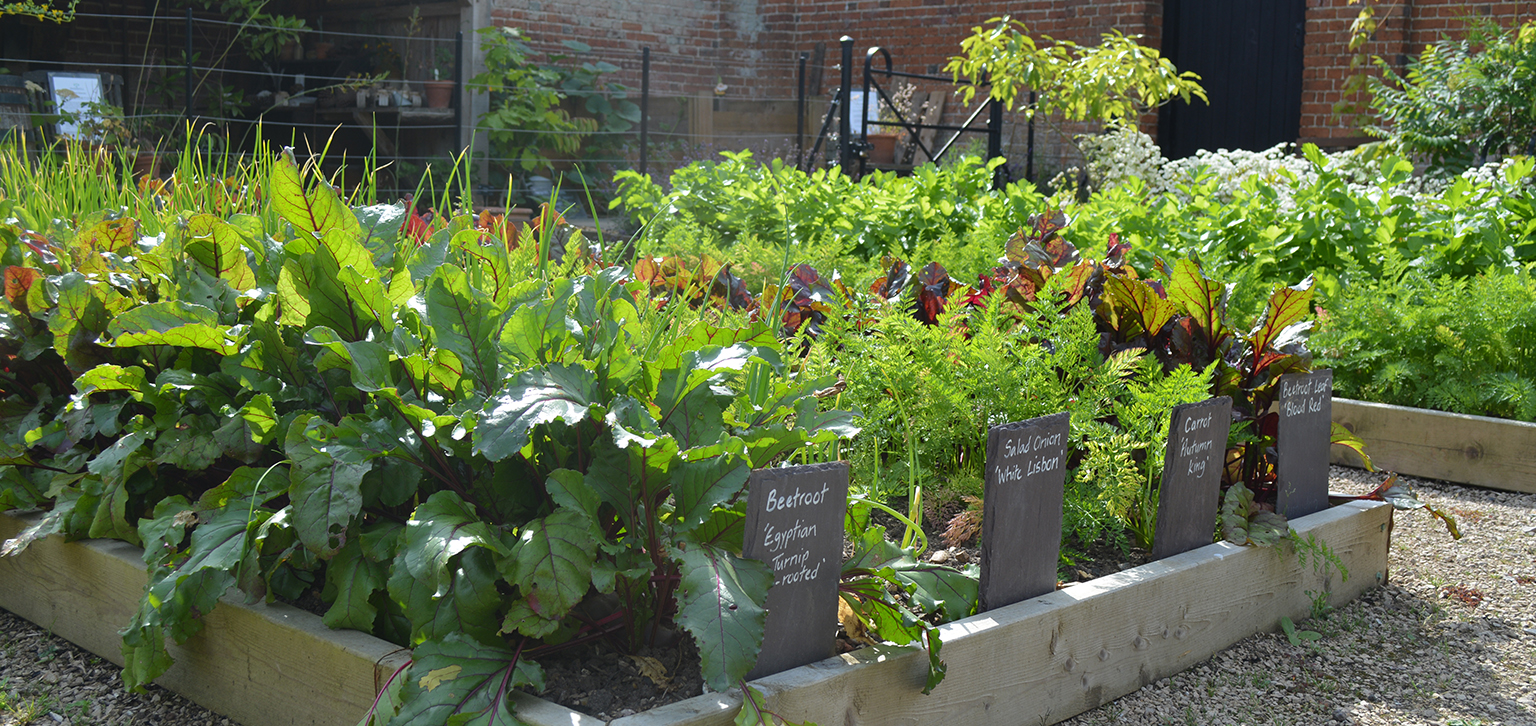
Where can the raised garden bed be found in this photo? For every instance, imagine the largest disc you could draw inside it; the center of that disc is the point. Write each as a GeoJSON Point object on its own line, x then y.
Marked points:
{"type": "Point", "coordinates": [1037, 661]}
{"type": "Point", "coordinates": [262, 665]}
{"type": "Point", "coordinates": [1487, 452]}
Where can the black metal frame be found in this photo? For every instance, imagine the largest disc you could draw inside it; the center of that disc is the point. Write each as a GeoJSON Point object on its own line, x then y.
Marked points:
{"type": "Point", "coordinates": [853, 155]}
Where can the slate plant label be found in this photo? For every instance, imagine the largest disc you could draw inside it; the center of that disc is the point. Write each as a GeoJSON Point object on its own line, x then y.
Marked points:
{"type": "Point", "coordinates": [1305, 428]}
{"type": "Point", "coordinates": [1021, 510]}
{"type": "Point", "coordinates": [1191, 487]}
{"type": "Point", "coordinates": [795, 524]}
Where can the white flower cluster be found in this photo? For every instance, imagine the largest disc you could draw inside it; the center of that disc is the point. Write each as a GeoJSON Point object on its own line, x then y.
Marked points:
{"type": "Point", "coordinates": [1122, 153]}
{"type": "Point", "coordinates": [1119, 154]}
{"type": "Point", "coordinates": [1491, 173]}
{"type": "Point", "coordinates": [1233, 168]}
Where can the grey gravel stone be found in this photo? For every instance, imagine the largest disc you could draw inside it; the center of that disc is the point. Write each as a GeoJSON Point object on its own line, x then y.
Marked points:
{"type": "Point", "coordinates": [79, 689]}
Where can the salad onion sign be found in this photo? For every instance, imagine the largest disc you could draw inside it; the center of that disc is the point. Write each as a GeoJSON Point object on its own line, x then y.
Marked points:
{"type": "Point", "coordinates": [1021, 516]}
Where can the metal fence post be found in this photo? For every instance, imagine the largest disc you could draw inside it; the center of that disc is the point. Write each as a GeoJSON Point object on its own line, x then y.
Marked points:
{"type": "Point", "coordinates": [995, 140]}
{"type": "Point", "coordinates": [800, 116]}
{"type": "Point", "coordinates": [1029, 158]}
{"type": "Point", "coordinates": [188, 60]}
{"type": "Point", "coordinates": [645, 107]}
{"type": "Point", "coordinates": [845, 99]}
{"type": "Point", "coordinates": [460, 91]}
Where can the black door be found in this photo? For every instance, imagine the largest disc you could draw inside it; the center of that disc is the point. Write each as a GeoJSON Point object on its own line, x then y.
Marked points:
{"type": "Point", "coordinates": [1248, 54]}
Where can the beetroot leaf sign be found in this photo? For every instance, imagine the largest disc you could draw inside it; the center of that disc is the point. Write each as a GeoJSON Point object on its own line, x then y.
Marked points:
{"type": "Point", "coordinates": [1304, 430]}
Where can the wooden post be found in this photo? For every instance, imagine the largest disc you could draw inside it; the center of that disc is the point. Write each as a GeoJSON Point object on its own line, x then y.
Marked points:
{"type": "Point", "coordinates": [701, 116]}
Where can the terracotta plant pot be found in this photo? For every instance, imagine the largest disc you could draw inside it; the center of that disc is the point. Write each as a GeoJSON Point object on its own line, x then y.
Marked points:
{"type": "Point", "coordinates": [882, 148]}
{"type": "Point", "coordinates": [439, 93]}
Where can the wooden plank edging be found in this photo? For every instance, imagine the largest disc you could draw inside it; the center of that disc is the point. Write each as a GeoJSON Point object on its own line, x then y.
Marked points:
{"type": "Point", "coordinates": [1038, 661]}
{"type": "Point", "coordinates": [259, 664]}
{"type": "Point", "coordinates": [1487, 452]}
{"type": "Point", "coordinates": [1058, 655]}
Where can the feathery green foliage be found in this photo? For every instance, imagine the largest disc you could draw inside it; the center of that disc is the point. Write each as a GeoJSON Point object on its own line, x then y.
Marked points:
{"type": "Point", "coordinates": [1465, 345]}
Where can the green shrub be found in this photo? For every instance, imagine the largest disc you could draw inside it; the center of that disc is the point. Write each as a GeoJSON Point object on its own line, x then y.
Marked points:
{"type": "Point", "coordinates": [1462, 99]}
{"type": "Point", "coordinates": [883, 214]}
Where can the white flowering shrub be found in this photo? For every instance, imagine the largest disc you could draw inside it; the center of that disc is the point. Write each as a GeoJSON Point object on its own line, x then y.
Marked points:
{"type": "Point", "coordinates": [1119, 154]}
{"type": "Point", "coordinates": [1122, 153]}
{"type": "Point", "coordinates": [1233, 168]}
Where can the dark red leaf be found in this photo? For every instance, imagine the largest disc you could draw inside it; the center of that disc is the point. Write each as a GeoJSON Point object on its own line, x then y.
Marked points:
{"type": "Point", "coordinates": [1286, 306]}
{"type": "Point", "coordinates": [933, 295]}
{"type": "Point", "coordinates": [731, 289]}
{"type": "Point", "coordinates": [1077, 281]}
{"type": "Point", "coordinates": [898, 274]}
{"type": "Point", "coordinates": [1115, 251]}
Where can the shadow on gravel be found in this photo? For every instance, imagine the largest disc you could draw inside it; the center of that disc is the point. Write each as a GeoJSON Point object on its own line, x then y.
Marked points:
{"type": "Point", "coordinates": [45, 679]}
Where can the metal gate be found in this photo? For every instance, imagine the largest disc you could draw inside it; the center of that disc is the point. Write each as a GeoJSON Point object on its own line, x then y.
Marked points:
{"type": "Point", "coordinates": [854, 145]}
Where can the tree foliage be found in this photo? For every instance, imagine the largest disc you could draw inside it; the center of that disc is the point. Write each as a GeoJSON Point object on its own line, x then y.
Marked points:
{"type": "Point", "coordinates": [1462, 99]}
{"type": "Point", "coordinates": [1116, 79]}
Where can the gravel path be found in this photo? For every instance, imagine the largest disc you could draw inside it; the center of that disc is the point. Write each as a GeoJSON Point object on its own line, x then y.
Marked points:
{"type": "Point", "coordinates": [1450, 641]}
{"type": "Point", "coordinates": [45, 680]}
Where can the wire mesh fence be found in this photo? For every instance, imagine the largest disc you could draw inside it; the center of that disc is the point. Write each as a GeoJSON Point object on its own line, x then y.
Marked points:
{"type": "Point", "coordinates": [312, 105]}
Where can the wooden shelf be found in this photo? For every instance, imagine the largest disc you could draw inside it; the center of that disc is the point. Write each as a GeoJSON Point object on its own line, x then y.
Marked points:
{"type": "Point", "coordinates": [404, 114]}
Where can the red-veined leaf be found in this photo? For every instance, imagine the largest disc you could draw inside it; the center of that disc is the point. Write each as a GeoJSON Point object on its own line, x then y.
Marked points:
{"type": "Point", "coordinates": [18, 280]}
{"type": "Point", "coordinates": [1340, 436]}
{"type": "Point", "coordinates": [1201, 298]}
{"type": "Point", "coordinates": [1286, 306]}
{"type": "Point", "coordinates": [1137, 302]}
{"type": "Point", "coordinates": [108, 236]}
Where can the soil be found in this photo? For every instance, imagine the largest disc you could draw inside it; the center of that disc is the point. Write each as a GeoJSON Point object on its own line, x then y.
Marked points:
{"type": "Point", "coordinates": [603, 682]}
{"type": "Point", "coordinates": [309, 601]}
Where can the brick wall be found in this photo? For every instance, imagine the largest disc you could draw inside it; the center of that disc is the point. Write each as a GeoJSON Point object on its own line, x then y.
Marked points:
{"type": "Point", "coordinates": [922, 35]}
{"type": "Point", "coordinates": [695, 44]}
{"type": "Point", "coordinates": [115, 44]}
{"type": "Point", "coordinates": [925, 33]}
{"type": "Point", "coordinates": [1403, 29]}
{"type": "Point", "coordinates": [750, 46]}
